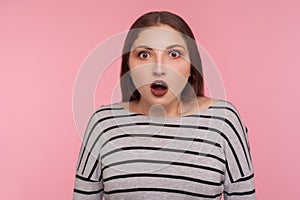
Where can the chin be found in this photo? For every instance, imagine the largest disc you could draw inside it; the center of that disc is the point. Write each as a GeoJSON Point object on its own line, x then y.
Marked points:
{"type": "Point", "coordinates": [164, 101]}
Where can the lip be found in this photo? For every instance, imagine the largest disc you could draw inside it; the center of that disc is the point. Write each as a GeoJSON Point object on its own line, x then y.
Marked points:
{"type": "Point", "coordinates": [159, 88]}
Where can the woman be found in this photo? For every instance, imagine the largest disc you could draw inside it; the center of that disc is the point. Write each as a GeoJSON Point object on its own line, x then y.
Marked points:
{"type": "Point", "coordinates": [166, 140]}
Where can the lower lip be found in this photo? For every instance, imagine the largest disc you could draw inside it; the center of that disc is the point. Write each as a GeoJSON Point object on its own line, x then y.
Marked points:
{"type": "Point", "coordinates": [159, 92]}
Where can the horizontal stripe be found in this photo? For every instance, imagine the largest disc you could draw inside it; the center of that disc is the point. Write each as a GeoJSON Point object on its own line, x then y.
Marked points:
{"type": "Point", "coordinates": [84, 178]}
{"type": "Point", "coordinates": [174, 126]}
{"type": "Point", "coordinates": [164, 125]}
{"type": "Point", "coordinates": [234, 130]}
{"type": "Point", "coordinates": [228, 108]}
{"type": "Point", "coordinates": [106, 118]}
{"type": "Point", "coordinates": [240, 193]}
{"type": "Point", "coordinates": [168, 176]}
{"type": "Point", "coordinates": [238, 118]}
{"type": "Point", "coordinates": [93, 127]}
{"type": "Point", "coordinates": [181, 126]}
{"type": "Point", "coordinates": [108, 108]}
{"type": "Point", "coordinates": [246, 178]}
{"type": "Point", "coordinates": [162, 149]}
{"type": "Point", "coordinates": [119, 126]}
{"type": "Point", "coordinates": [163, 162]}
{"type": "Point", "coordinates": [233, 158]}
{"type": "Point", "coordinates": [88, 192]}
{"type": "Point", "coordinates": [161, 137]}
{"type": "Point", "coordinates": [162, 190]}
{"type": "Point", "coordinates": [90, 133]}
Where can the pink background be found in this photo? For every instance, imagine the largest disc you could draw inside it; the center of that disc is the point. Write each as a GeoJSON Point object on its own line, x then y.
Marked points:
{"type": "Point", "coordinates": [255, 45]}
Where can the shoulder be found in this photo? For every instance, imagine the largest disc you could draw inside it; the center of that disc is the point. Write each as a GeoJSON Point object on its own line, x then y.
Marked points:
{"type": "Point", "coordinates": [226, 107]}
{"type": "Point", "coordinates": [223, 106]}
{"type": "Point", "coordinates": [107, 110]}
{"type": "Point", "coordinates": [109, 107]}
{"type": "Point", "coordinates": [106, 116]}
{"type": "Point", "coordinates": [229, 113]}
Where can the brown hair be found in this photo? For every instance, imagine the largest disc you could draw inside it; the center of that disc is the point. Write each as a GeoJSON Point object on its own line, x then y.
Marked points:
{"type": "Point", "coordinates": [152, 19]}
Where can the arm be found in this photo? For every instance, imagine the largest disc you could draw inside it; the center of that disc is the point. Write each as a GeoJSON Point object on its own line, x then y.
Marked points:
{"type": "Point", "coordinates": [88, 181]}
{"type": "Point", "coordinates": [239, 175]}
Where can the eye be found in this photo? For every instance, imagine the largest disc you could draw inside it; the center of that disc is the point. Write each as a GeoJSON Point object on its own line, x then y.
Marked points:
{"type": "Point", "coordinates": [144, 55]}
{"type": "Point", "coordinates": [174, 53]}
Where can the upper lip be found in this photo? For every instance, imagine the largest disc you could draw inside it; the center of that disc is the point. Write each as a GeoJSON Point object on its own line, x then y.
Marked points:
{"type": "Point", "coordinates": [159, 82]}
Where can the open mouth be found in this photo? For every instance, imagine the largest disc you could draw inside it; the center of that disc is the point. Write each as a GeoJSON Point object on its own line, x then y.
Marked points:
{"type": "Point", "coordinates": [159, 88]}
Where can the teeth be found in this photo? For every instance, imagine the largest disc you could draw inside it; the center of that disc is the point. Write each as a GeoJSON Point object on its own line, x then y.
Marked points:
{"type": "Point", "coordinates": [159, 84]}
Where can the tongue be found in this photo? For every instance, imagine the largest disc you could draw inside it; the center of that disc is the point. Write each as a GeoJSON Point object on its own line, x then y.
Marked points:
{"type": "Point", "coordinates": [159, 91]}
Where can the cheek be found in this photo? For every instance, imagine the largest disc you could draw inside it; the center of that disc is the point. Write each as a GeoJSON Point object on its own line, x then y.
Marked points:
{"type": "Point", "coordinates": [178, 77]}
{"type": "Point", "coordinates": [182, 69]}
{"type": "Point", "coordinates": [141, 75]}
{"type": "Point", "coordinates": [136, 72]}
{"type": "Point", "coordinates": [185, 71]}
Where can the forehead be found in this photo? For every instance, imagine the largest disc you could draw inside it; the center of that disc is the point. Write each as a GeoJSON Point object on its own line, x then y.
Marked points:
{"type": "Point", "coordinates": [159, 37]}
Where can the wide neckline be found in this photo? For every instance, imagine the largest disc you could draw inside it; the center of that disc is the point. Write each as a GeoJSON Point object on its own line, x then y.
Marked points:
{"type": "Point", "coordinates": [175, 117]}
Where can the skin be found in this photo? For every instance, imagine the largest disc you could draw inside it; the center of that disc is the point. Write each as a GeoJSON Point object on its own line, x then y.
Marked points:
{"type": "Point", "coordinates": [160, 53]}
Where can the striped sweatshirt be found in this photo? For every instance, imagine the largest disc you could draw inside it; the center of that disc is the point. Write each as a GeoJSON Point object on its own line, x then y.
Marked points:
{"type": "Point", "coordinates": [131, 156]}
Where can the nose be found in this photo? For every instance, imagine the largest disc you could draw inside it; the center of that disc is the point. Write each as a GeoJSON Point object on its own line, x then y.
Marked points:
{"type": "Point", "coordinates": [158, 68]}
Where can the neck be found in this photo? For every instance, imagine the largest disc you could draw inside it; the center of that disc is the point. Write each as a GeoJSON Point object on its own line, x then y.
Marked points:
{"type": "Point", "coordinates": [171, 110]}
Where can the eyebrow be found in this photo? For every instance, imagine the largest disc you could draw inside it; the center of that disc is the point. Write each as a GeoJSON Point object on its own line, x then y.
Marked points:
{"type": "Point", "coordinates": [168, 47]}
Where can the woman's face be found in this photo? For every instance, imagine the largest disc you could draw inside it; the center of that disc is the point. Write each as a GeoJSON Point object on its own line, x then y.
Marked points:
{"type": "Point", "coordinates": [159, 64]}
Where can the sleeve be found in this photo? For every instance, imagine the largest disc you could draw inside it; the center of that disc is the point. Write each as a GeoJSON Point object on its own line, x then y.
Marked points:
{"type": "Point", "coordinates": [239, 174]}
{"type": "Point", "coordinates": [88, 181]}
